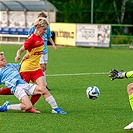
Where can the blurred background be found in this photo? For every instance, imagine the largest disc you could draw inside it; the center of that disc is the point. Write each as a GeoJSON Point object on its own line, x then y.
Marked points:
{"type": "Point", "coordinates": [16, 17]}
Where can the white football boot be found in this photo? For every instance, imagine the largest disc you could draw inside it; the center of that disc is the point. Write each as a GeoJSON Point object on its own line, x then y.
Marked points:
{"type": "Point", "coordinates": [129, 127]}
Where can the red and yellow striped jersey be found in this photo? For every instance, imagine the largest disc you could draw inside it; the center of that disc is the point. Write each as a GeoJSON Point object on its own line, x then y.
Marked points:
{"type": "Point", "coordinates": [34, 46]}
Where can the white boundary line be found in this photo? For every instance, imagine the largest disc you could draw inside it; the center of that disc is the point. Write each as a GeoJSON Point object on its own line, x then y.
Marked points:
{"type": "Point", "coordinates": [77, 74]}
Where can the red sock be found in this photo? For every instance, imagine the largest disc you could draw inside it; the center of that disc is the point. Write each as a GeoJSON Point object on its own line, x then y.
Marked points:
{"type": "Point", "coordinates": [35, 98]}
{"type": "Point", "coordinates": [5, 91]}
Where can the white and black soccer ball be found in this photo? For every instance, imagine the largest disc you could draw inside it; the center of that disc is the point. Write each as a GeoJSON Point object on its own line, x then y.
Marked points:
{"type": "Point", "coordinates": [92, 92]}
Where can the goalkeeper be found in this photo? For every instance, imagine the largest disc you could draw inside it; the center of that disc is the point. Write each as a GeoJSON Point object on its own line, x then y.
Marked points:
{"type": "Point", "coordinates": [114, 74]}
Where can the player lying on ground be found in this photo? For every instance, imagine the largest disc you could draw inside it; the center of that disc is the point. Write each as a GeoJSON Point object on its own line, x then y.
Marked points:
{"type": "Point", "coordinates": [7, 91]}
{"type": "Point", "coordinates": [114, 74]}
{"type": "Point", "coordinates": [10, 77]}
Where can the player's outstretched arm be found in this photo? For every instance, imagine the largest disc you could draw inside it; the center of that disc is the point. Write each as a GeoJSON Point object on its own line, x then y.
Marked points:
{"type": "Point", "coordinates": [18, 54]}
{"type": "Point", "coordinates": [26, 56]}
{"type": "Point", "coordinates": [114, 74]}
{"type": "Point", "coordinates": [53, 44]}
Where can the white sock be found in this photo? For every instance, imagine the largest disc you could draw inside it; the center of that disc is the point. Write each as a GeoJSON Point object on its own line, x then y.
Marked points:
{"type": "Point", "coordinates": [14, 107]}
{"type": "Point", "coordinates": [51, 101]}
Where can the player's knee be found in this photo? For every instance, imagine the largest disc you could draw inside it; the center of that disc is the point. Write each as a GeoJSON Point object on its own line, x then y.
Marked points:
{"type": "Point", "coordinates": [43, 67]}
{"type": "Point", "coordinates": [44, 90]}
{"type": "Point", "coordinates": [41, 90]}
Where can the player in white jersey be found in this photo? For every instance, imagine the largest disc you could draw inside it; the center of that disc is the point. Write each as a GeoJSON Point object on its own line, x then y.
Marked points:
{"type": "Point", "coordinates": [10, 77]}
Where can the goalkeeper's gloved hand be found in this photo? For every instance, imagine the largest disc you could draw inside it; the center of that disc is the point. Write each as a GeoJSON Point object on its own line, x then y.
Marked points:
{"type": "Point", "coordinates": [117, 75]}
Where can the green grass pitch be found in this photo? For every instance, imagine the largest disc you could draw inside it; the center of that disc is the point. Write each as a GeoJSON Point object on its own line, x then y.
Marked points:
{"type": "Point", "coordinates": [70, 71]}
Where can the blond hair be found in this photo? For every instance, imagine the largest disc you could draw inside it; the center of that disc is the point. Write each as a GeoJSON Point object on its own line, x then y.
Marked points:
{"type": "Point", "coordinates": [1, 53]}
{"type": "Point", "coordinates": [42, 22]}
{"type": "Point", "coordinates": [42, 14]}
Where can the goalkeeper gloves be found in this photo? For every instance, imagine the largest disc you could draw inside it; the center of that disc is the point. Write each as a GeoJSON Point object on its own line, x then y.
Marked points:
{"type": "Point", "coordinates": [117, 75]}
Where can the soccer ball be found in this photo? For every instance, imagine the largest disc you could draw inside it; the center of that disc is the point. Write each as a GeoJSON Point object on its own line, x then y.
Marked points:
{"type": "Point", "coordinates": [92, 92]}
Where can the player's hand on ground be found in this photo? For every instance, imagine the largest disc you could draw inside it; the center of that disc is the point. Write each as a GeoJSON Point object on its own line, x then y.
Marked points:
{"type": "Point", "coordinates": [114, 74]}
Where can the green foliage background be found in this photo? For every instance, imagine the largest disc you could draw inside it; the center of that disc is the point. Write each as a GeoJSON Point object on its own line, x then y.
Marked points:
{"type": "Point", "coordinates": [105, 11]}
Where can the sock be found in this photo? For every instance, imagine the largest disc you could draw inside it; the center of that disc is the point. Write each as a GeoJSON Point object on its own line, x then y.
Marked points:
{"type": "Point", "coordinates": [131, 101]}
{"type": "Point", "coordinates": [14, 107]}
{"type": "Point", "coordinates": [51, 102]}
{"type": "Point", "coordinates": [35, 98]}
{"type": "Point", "coordinates": [5, 91]}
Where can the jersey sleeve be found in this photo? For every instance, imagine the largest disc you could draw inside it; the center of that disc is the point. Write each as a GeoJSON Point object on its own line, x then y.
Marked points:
{"type": "Point", "coordinates": [31, 31]}
{"type": "Point", "coordinates": [28, 43]}
{"type": "Point", "coordinates": [49, 34]}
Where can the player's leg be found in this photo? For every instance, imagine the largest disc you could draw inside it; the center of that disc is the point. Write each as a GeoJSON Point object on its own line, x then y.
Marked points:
{"type": "Point", "coordinates": [36, 89]}
{"type": "Point", "coordinates": [23, 98]}
{"type": "Point", "coordinates": [43, 67]}
{"type": "Point", "coordinates": [130, 94]}
{"type": "Point", "coordinates": [43, 64]}
{"type": "Point", "coordinates": [27, 77]}
{"type": "Point", "coordinates": [23, 91]}
{"type": "Point", "coordinates": [51, 101]}
{"type": "Point", "coordinates": [5, 91]}
{"type": "Point", "coordinates": [37, 77]}
{"type": "Point", "coordinates": [24, 105]}
{"type": "Point", "coordinates": [48, 97]}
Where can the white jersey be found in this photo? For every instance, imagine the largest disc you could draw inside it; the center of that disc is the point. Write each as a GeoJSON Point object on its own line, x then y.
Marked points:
{"type": "Point", "coordinates": [10, 77]}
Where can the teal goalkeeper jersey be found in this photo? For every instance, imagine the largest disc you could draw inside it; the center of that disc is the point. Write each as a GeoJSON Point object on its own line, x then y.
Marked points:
{"type": "Point", "coordinates": [10, 77]}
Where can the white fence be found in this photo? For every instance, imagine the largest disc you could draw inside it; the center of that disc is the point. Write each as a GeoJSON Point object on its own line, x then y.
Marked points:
{"type": "Point", "coordinates": [12, 39]}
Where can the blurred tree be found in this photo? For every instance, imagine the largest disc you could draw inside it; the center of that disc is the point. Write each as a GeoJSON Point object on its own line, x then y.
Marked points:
{"type": "Point", "coordinates": [105, 11]}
